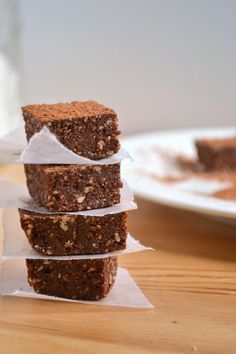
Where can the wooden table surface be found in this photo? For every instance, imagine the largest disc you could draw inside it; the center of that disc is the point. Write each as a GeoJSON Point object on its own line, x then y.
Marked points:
{"type": "Point", "coordinates": [191, 280]}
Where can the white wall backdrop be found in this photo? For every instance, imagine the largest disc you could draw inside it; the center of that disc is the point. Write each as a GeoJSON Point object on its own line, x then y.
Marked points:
{"type": "Point", "coordinates": [159, 63]}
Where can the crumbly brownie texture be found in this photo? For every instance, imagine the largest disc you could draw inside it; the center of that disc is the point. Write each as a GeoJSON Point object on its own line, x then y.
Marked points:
{"type": "Point", "coordinates": [59, 235]}
{"type": "Point", "coordinates": [89, 279]}
{"type": "Point", "coordinates": [87, 128]}
{"type": "Point", "coordinates": [74, 187]}
{"type": "Point", "coordinates": [217, 154]}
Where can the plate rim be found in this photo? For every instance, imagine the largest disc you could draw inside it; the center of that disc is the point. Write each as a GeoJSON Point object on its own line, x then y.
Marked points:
{"type": "Point", "coordinates": [158, 198]}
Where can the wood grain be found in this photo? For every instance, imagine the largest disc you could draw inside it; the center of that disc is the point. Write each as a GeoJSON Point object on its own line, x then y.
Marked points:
{"type": "Point", "coordinates": [191, 279]}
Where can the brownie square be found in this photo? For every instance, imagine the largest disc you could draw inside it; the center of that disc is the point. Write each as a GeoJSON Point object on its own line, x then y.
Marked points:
{"type": "Point", "coordinates": [87, 128]}
{"type": "Point", "coordinates": [74, 187]}
{"type": "Point", "coordinates": [89, 279]}
{"type": "Point", "coordinates": [61, 235]}
{"type": "Point", "coordinates": [217, 154]}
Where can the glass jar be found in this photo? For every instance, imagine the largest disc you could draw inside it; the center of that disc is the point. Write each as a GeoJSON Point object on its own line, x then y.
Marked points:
{"type": "Point", "coordinates": [9, 65]}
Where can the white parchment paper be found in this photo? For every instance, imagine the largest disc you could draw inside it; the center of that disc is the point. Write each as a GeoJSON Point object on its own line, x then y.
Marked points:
{"type": "Point", "coordinates": [45, 148]}
{"type": "Point", "coordinates": [15, 195]}
{"type": "Point", "coordinates": [15, 244]}
{"type": "Point", "coordinates": [124, 293]}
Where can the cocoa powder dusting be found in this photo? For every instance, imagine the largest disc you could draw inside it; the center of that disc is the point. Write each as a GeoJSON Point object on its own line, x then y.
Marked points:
{"type": "Point", "coordinates": [61, 111]}
{"type": "Point", "coordinates": [228, 193]}
{"type": "Point", "coordinates": [192, 168]}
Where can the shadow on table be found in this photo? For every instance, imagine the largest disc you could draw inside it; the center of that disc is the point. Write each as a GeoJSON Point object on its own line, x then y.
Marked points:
{"type": "Point", "coordinates": [179, 231]}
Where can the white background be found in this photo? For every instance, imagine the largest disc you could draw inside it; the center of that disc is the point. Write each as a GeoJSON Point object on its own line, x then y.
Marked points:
{"type": "Point", "coordinates": [159, 63]}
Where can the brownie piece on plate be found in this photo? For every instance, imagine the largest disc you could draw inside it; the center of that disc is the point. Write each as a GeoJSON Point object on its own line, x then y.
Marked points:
{"type": "Point", "coordinates": [217, 154]}
{"type": "Point", "coordinates": [64, 234]}
{"type": "Point", "coordinates": [87, 128]}
{"type": "Point", "coordinates": [74, 187]}
{"type": "Point", "coordinates": [88, 279]}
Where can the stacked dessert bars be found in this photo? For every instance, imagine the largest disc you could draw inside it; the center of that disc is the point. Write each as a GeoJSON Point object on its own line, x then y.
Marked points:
{"type": "Point", "coordinates": [90, 130]}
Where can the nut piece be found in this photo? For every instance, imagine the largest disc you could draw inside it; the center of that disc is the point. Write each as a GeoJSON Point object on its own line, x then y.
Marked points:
{"type": "Point", "coordinates": [98, 169]}
{"type": "Point", "coordinates": [81, 199]}
{"type": "Point", "coordinates": [117, 237]}
{"type": "Point", "coordinates": [28, 232]}
{"type": "Point", "coordinates": [64, 223]}
{"type": "Point", "coordinates": [69, 244]}
{"type": "Point", "coordinates": [88, 189]}
{"type": "Point", "coordinates": [101, 144]}
{"type": "Point", "coordinates": [64, 226]}
{"type": "Point", "coordinates": [49, 204]}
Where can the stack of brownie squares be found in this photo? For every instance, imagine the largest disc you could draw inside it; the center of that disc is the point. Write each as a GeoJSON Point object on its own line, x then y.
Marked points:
{"type": "Point", "coordinates": [90, 130]}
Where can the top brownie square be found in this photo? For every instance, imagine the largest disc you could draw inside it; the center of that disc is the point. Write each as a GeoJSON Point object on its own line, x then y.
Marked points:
{"type": "Point", "coordinates": [87, 128]}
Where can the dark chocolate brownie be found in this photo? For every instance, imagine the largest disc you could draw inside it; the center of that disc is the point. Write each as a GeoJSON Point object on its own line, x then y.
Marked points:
{"type": "Point", "coordinates": [89, 279]}
{"type": "Point", "coordinates": [59, 235]}
{"type": "Point", "coordinates": [217, 154]}
{"type": "Point", "coordinates": [74, 187]}
{"type": "Point", "coordinates": [87, 128]}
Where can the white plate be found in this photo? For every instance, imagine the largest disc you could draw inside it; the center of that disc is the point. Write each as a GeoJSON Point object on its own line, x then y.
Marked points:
{"type": "Point", "coordinates": [147, 160]}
